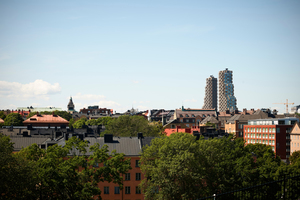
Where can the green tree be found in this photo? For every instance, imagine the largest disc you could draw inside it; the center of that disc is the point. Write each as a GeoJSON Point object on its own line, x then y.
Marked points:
{"type": "Point", "coordinates": [79, 123]}
{"type": "Point", "coordinates": [127, 125]}
{"type": "Point", "coordinates": [16, 174]}
{"type": "Point", "coordinates": [181, 167]}
{"type": "Point", "coordinates": [2, 115]}
{"type": "Point", "coordinates": [66, 172]}
{"type": "Point", "coordinates": [71, 122]}
{"type": "Point", "coordinates": [295, 157]}
{"type": "Point", "coordinates": [13, 119]}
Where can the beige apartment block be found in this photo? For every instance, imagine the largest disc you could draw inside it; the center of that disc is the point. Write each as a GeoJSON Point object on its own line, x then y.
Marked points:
{"type": "Point", "coordinates": [295, 138]}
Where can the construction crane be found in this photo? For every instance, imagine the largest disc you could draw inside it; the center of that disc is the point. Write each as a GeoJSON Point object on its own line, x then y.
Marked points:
{"type": "Point", "coordinates": [286, 104]}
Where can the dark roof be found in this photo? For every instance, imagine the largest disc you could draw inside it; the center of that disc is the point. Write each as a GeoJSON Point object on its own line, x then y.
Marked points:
{"type": "Point", "coordinates": [210, 119]}
{"type": "Point", "coordinates": [146, 141]}
{"type": "Point", "coordinates": [20, 142]}
{"type": "Point", "coordinates": [130, 146]}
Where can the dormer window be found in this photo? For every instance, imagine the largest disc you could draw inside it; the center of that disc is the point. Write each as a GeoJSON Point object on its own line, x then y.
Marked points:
{"type": "Point", "coordinates": [186, 115]}
{"type": "Point", "coordinates": [203, 115]}
{"type": "Point", "coordinates": [193, 115]}
{"type": "Point", "coordinates": [181, 115]}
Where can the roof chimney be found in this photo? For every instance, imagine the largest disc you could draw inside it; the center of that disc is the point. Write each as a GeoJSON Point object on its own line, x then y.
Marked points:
{"type": "Point", "coordinates": [140, 135]}
{"type": "Point", "coordinates": [108, 138]}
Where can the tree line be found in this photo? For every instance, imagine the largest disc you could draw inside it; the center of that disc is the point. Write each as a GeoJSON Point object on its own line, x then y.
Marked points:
{"type": "Point", "coordinates": [58, 172]}
{"type": "Point", "coordinates": [181, 167]}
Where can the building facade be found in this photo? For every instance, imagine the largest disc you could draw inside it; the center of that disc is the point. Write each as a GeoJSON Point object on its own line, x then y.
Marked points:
{"type": "Point", "coordinates": [272, 132]}
{"type": "Point", "coordinates": [227, 100]}
{"type": "Point", "coordinates": [211, 93]}
{"type": "Point", "coordinates": [295, 138]}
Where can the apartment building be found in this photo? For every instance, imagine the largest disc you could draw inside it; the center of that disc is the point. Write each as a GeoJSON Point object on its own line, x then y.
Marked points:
{"type": "Point", "coordinates": [227, 100]}
{"type": "Point", "coordinates": [272, 132]}
{"type": "Point", "coordinates": [295, 138]}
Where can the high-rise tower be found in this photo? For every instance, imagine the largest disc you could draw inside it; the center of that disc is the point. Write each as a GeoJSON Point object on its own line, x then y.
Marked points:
{"type": "Point", "coordinates": [227, 100]}
{"type": "Point", "coordinates": [211, 93]}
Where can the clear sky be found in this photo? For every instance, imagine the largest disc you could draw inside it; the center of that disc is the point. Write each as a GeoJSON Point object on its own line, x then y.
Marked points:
{"type": "Point", "coordinates": [147, 54]}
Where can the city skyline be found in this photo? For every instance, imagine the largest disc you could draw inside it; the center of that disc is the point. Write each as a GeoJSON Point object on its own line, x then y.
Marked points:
{"type": "Point", "coordinates": [147, 55]}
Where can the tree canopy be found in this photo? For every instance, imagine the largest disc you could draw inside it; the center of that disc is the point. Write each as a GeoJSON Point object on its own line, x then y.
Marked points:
{"type": "Point", "coordinates": [59, 172]}
{"type": "Point", "coordinates": [181, 167]}
{"type": "Point", "coordinates": [127, 125]}
{"type": "Point", "coordinates": [2, 115]}
{"type": "Point", "coordinates": [13, 119]}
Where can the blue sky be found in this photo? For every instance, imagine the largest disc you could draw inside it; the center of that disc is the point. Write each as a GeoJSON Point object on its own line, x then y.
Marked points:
{"type": "Point", "coordinates": [147, 54]}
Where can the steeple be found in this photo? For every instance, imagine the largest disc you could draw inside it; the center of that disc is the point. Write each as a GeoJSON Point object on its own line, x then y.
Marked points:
{"type": "Point", "coordinates": [71, 106]}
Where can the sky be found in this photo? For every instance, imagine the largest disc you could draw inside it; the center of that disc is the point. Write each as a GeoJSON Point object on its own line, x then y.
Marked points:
{"type": "Point", "coordinates": [147, 54]}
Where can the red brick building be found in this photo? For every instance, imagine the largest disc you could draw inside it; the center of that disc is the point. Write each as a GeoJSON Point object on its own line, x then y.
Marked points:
{"type": "Point", "coordinates": [273, 132]}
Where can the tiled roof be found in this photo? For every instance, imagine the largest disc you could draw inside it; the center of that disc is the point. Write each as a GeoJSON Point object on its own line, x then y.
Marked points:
{"type": "Point", "coordinates": [45, 119]}
{"type": "Point", "coordinates": [209, 119]}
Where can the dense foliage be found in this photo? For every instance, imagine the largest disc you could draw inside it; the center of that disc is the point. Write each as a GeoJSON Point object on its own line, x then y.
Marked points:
{"type": "Point", "coordinates": [60, 172]}
{"type": "Point", "coordinates": [13, 119]}
{"type": "Point", "coordinates": [124, 126]}
{"type": "Point", "coordinates": [127, 125]}
{"type": "Point", "coordinates": [181, 167]}
{"type": "Point", "coordinates": [2, 115]}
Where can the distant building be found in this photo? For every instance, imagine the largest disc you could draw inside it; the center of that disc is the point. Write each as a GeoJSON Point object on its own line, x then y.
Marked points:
{"type": "Point", "coordinates": [192, 117]}
{"type": "Point", "coordinates": [273, 132]}
{"type": "Point", "coordinates": [39, 109]}
{"type": "Point", "coordinates": [295, 138]}
{"type": "Point", "coordinates": [71, 106]}
{"type": "Point", "coordinates": [295, 109]}
{"type": "Point", "coordinates": [39, 120]}
{"type": "Point", "coordinates": [95, 110]}
{"type": "Point", "coordinates": [23, 113]}
{"type": "Point", "coordinates": [211, 93]}
{"type": "Point", "coordinates": [227, 100]}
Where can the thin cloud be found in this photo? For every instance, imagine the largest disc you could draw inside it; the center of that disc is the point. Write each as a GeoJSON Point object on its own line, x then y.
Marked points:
{"type": "Point", "coordinates": [38, 89]}
{"type": "Point", "coordinates": [85, 100]}
{"type": "Point", "coordinates": [4, 57]}
{"type": "Point", "coordinates": [190, 100]}
{"type": "Point", "coordinates": [182, 30]}
{"type": "Point", "coordinates": [88, 96]}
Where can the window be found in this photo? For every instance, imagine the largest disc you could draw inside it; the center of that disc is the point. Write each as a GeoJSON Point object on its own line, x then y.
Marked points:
{"type": "Point", "coordinates": [186, 115]}
{"type": "Point", "coordinates": [173, 126]}
{"type": "Point", "coordinates": [181, 115]}
{"type": "Point", "coordinates": [277, 130]}
{"type": "Point", "coordinates": [127, 189]}
{"type": "Point", "coordinates": [127, 177]}
{"type": "Point", "coordinates": [137, 163]}
{"type": "Point", "coordinates": [106, 190]}
{"type": "Point", "coordinates": [193, 115]}
{"type": "Point", "coordinates": [270, 130]}
{"type": "Point", "coordinates": [203, 115]}
{"type": "Point", "coordinates": [96, 164]}
{"type": "Point", "coordinates": [181, 120]}
{"type": "Point", "coordinates": [137, 190]}
{"type": "Point", "coordinates": [117, 190]}
{"type": "Point", "coordinates": [187, 125]}
{"type": "Point", "coordinates": [187, 120]}
{"type": "Point", "coordinates": [138, 176]}
{"type": "Point", "coordinates": [273, 130]}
